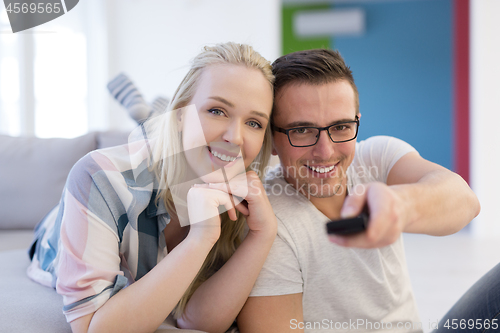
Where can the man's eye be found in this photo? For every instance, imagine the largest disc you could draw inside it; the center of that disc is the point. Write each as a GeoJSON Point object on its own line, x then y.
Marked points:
{"type": "Point", "coordinates": [216, 112]}
{"type": "Point", "coordinates": [340, 128]}
{"type": "Point", "coordinates": [300, 131]}
{"type": "Point", "coordinates": [254, 124]}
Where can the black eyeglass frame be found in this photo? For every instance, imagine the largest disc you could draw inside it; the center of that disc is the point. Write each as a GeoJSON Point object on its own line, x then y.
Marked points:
{"type": "Point", "coordinates": [282, 130]}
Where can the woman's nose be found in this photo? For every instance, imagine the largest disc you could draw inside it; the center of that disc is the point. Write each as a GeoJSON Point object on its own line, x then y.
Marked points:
{"type": "Point", "coordinates": [233, 134]}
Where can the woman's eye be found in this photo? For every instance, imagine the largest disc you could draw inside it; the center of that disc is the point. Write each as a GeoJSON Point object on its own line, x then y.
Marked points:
{"type": "Point", "coordinates": [254, 124]}
{"type": "Point", "coordinates": [216, 112]}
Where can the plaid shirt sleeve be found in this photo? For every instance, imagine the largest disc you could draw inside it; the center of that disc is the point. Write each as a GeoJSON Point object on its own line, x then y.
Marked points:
{"type": "Point", "coordinates": [105, 234]}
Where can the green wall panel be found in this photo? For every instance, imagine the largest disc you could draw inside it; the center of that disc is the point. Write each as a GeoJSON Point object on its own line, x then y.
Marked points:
{"type": "Point", "coordinates": [291, 42]}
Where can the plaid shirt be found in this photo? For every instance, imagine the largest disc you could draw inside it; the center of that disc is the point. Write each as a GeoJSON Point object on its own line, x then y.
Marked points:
{"type": "Point", "coordinates": [106, 231]}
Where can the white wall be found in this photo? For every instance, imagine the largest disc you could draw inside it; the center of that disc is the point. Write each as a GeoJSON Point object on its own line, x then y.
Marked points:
{"type": "Point", "coordinates": [153, 40]}
{"type": "Point", "coordinates": [485, 114]}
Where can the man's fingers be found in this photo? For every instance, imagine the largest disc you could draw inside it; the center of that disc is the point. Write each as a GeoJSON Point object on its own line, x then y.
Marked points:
{"type": "Point", "coordinates": [353, 205]}
{"type": "Point", "coordinates": [384, 226]}
{"type": "Point", "coordinates": [379, 204]}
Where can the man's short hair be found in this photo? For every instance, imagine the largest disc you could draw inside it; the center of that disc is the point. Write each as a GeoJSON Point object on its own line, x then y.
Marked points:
{"type": "Point", "coordinates": [316, 67]}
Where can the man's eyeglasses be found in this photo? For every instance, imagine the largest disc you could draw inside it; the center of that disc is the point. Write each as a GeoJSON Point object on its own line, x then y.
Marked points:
{"type": "Point", "coordinates": [309, 136]}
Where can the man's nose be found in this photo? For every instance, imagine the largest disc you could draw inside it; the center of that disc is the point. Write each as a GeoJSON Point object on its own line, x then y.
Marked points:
{"type": "Point", "coordinates": [324, 148]}
{"type": "Point", "coordinates": [234, 134]}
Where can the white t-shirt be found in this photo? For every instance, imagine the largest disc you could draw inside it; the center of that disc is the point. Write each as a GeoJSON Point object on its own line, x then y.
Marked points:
{"type": "Point", "coordinates": [344, 289]}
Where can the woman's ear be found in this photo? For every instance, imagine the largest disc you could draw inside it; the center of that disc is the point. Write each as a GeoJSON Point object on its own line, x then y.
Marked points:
{"type": "Point", "coordinates": [179, 119]}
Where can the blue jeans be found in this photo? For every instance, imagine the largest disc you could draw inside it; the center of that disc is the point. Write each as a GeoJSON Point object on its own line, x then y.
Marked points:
{"type": "Point", "coordinates": [478, 310]}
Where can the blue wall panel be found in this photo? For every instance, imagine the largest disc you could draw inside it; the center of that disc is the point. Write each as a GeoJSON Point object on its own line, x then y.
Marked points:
{"type": "Point", "coordinates": [402, 66]}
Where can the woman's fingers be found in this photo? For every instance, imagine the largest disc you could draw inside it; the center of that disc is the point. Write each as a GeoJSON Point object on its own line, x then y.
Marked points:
{"type": "Point", "coordinates": [242, 208]}
{"type": "Point", "coordinates": [238, 202]}
{"type": "Point", "coordinates": [235, 187]}
{"type": "Point", "coordinates": [204, 185]}
{"type": "Point", "coordinates": [227, 201]}
{"type": "Point", "coordinates": [232, 213]}
{"type": "Point", "coordinates": [218, 198]}
{"type": "Point", "coordinates": [244, 186]}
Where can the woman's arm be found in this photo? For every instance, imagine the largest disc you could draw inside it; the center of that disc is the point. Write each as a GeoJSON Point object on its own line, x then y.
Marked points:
{"type": "Point", "coordinates": [144, 305]}
{"type": "Point", "coordinates": [216, 303]}
{"type": "Point", "coordinates": [89, 259]}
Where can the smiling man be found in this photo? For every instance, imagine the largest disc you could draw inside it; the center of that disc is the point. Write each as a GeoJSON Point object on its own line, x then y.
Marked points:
{"type": "Point", "coordinates": [359, 283]}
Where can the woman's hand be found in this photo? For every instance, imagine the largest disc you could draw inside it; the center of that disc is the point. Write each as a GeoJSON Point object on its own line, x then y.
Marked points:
{"type": "Point", "coordinates": [259, 213]}
{"type": "Point", "coordinates": [203, 210]}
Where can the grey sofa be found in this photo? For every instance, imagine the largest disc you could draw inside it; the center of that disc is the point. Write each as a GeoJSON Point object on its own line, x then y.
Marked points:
{"type": "Point", "coordinates": [33, 172]}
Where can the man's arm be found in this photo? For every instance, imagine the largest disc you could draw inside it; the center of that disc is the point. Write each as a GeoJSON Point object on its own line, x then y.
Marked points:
{"type": "Point", "coordinates": [419, 197]}
{"type": "Point", "coordinates": [439, 201]}
{"type": "Point", "coordinates": [272, 314]}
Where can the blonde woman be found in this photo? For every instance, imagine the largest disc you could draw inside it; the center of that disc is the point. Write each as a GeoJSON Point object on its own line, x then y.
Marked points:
{"type": "Point", "coordinates": [138, 234]}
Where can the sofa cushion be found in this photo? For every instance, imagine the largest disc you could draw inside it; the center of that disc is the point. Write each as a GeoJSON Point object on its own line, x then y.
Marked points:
{"type": "Point", "coordinates": [26, 306]}
{"type": "Point", "coordinates": [15, 239]}
{"type": "Point", "coordinates": [33, 172]}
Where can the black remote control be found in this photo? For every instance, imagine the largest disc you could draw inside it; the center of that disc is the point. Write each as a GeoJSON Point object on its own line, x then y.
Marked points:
{"type": "Point", "coordinates": [348, 226]}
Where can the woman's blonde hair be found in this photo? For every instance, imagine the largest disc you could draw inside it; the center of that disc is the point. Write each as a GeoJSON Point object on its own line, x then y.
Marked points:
{"type": "Point", "coordinates": [167, 151]}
